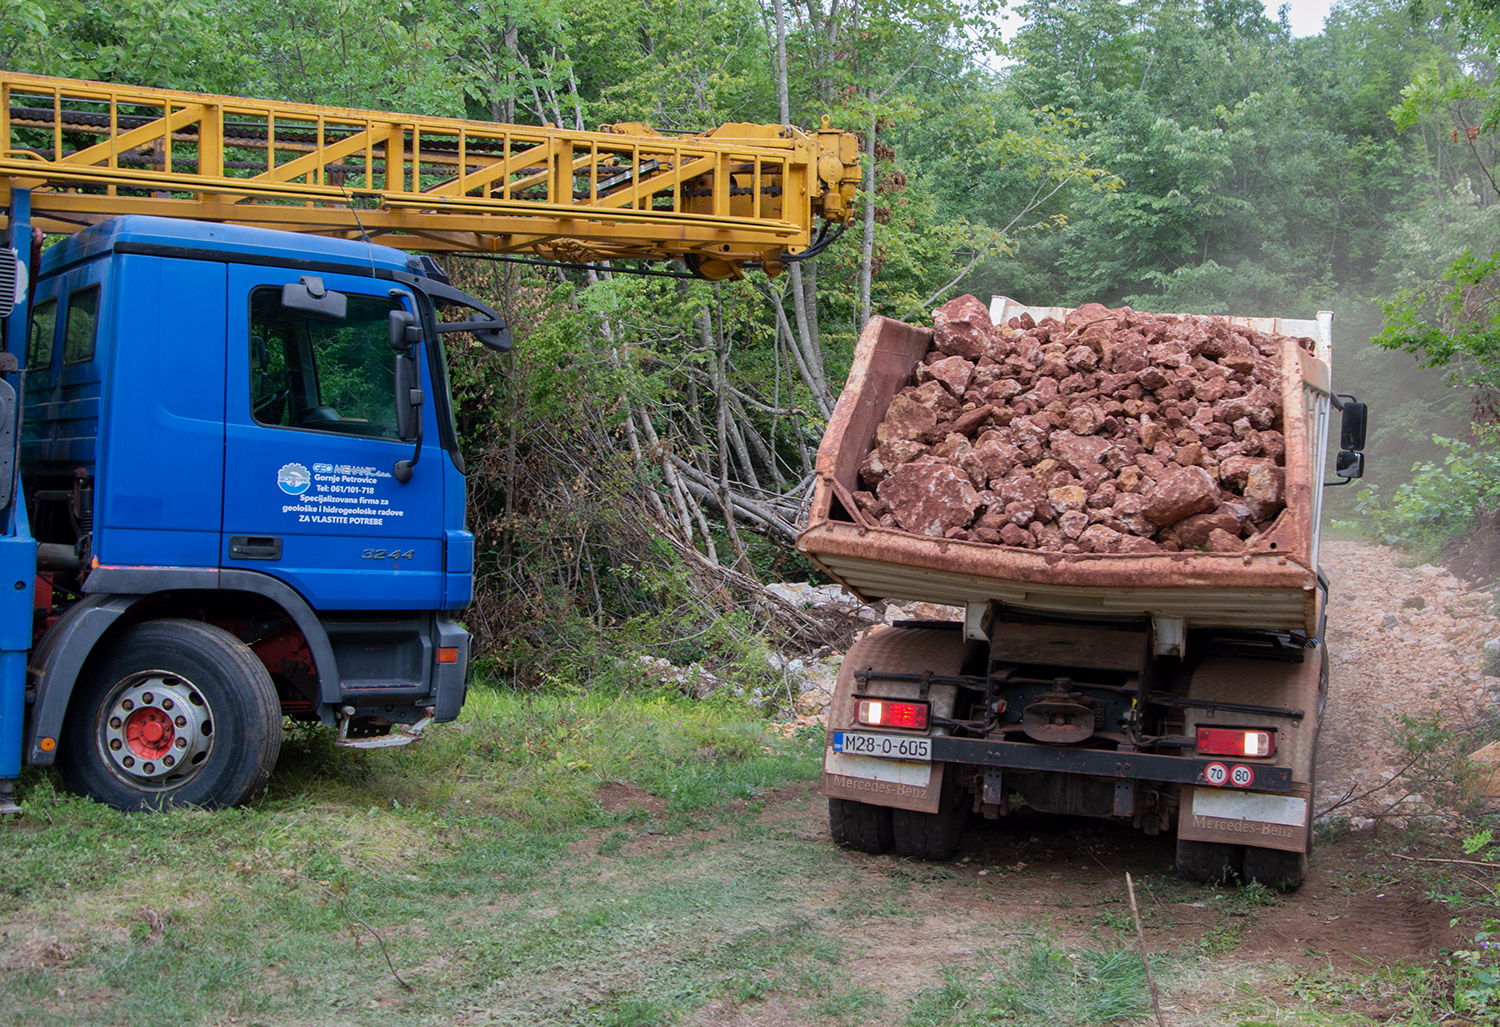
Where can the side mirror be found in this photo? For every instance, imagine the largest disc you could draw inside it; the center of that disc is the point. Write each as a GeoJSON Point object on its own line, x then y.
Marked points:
{"type": "Point", "coordinates": [496, 338]}
{"type": "Point", "coordinates": [493, 334]}
{"type": "Point", "coordinates": [404, 331]}
{"type": "Point", "coordinates": [1352, 427]}
{"type": "Point", "coordinates": [309, 296]}
{"type": "Point", "coordinates": [1350, 463]}
{"type": "Point", "coordinates": [409, 397]}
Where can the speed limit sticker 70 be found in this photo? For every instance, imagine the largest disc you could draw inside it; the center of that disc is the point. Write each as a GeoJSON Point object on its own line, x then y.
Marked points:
{"type": "Point", "coordinates": [1216, 774]}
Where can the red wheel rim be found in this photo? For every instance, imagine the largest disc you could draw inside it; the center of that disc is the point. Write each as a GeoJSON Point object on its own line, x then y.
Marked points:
{"type": "Point", "coordinates": [149, 733]}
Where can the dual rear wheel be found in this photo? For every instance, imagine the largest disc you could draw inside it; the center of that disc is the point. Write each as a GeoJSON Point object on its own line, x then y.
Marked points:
{"type": "Point", "coordinates": [935, 836]}
{"type": "Point", "coordinates": [876, 829]}
{"type": "Point", "coordinates": [1222, 863]}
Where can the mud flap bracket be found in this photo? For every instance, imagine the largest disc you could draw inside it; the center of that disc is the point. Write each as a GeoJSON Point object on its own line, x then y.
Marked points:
{"type": "Point", "coordinates": [994, 787]}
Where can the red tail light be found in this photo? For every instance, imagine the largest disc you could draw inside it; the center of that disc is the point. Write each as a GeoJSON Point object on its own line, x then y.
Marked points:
{"type": "Point", "coordinates": [885, 713]}
{"type": "Point", "coordinates": [1235, 741]}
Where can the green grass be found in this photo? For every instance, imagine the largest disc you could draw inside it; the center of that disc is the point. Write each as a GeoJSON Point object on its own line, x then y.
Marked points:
{"type": "Point", "coordinates": [1043, 985]}
{"type": "Point", "coordinates": [483, 863]}
{"type": "Point", "coordinates": [458, 852]}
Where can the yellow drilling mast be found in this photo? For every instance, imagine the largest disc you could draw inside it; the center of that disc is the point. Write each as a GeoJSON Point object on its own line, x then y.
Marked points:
{"type": "Point", "coordinates": [738, 194]}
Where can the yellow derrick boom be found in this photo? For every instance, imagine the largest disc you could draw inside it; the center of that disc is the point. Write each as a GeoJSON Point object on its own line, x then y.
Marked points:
{"type": "Point", "coordinates": [717, 200]}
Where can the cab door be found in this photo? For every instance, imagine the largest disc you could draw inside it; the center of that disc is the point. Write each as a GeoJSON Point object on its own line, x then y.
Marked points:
{"type": "Point", "coordinates": [311, 445]}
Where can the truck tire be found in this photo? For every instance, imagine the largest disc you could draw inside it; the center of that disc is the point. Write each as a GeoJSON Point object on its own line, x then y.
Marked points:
{"type": "Point", "coordinates": [173, 712]}
{"type": "Point", "coordinates": [860, 826]}
{"type": "Point", "coordinates": [932, 836]}
{"type": "Point", "coordinates": [1209, 862]}
{"type": "Point", "coordinates": [1283, 871]}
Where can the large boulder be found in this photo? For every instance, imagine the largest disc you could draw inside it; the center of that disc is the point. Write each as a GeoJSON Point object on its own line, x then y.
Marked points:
{"type": "Point", "coordinates": [1180, 492]}
{"type": "Point", "coordinates": [962, 327]}
{"type": "Point", "coordinates": [928, 497]}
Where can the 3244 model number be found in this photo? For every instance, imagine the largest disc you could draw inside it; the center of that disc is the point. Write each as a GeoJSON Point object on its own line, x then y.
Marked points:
{"type": "Point", "coordinates": [388, 554]}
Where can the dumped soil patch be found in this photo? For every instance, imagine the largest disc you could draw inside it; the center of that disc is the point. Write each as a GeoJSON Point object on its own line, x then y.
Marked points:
{"type": "Point", "coordinates": [1477, 558]}
{"type": "Point", "coordinates": [615, 797]}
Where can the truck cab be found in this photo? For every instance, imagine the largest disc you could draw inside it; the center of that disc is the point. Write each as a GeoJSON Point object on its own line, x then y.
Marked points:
{"type": "Point", "coordinates": [239, 459]}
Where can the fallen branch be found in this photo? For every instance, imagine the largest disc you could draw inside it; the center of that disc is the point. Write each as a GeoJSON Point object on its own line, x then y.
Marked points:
{"type": "Point", "coordinates": [1348, 798]}
{"type": "Point", "coordinates": [1461, 862]}
{"type": "Point", "coordinates": [1140, 937]}
{"type": "Point", "coordinates": [298, 875]}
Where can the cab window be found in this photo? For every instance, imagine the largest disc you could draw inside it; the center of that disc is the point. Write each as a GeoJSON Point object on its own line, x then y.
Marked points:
{"type": "Point", "coordinates": [334, 376]}
{"type": "Point", "coordinates": [83, 326]}
{"type": "Point", "coordinates": [43, 332]}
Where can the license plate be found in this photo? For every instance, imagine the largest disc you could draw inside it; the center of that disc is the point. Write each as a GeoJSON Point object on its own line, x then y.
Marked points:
{"type": "Point", "coordinates": [891, 747]}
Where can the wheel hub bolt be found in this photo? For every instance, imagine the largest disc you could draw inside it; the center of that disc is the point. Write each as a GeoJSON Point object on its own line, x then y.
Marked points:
{"type": "Point", "coordinates": [168, 760]}
{"type": "Point", "coordinates": [127, 705]}
{"type": "Point", "coordinates": [166, 704]}
{"type": "Point", "coordinates": [129, 761]}
{"type": "Point", "coordinates": [114, 743]}
{"type": "Point", "coordinates": [148, 698]}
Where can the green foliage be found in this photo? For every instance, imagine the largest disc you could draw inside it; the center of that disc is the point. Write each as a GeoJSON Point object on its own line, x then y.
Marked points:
{"type": "Point", "coordinates": [141, 42]}
{"type": "Point", "coordinates": [683, 66]}
{"type": "Point", "coordinates": [1475, 968]}
{"type": "Point", "coordinates": [1440, 501]}
{"type": "Point", "coordinates": [1463, 333]}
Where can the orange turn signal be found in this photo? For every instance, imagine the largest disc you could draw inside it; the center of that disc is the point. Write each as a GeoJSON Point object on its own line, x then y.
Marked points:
{"type": "Point", "coordinates": [447, 654]}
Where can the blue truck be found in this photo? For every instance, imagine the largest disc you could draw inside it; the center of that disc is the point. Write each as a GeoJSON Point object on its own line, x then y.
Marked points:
{"type": "Point", "coordinates": [230, 483]}
{"type": "Point", "coordinates": [236, 495]}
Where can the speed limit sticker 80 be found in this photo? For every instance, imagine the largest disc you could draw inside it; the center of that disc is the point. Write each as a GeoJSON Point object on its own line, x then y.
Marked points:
{"type": "Point", "coordinates": [1238, 776]}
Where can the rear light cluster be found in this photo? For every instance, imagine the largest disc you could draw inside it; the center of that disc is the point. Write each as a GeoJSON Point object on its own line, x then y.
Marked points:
{"type": "Point", "coordinates": [885, 713]}
{"type": "Point", "coordinates": [1235, 741]}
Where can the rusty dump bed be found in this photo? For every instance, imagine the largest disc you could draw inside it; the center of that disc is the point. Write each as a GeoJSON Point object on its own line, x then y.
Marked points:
{"type": "Point", "coordinates": [1270, 586]}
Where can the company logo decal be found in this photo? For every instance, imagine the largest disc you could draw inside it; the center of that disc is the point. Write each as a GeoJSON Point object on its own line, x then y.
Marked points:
{"type": "Point", "coordinates": [322, 468]}
{"type": "Point", "coordinates": [293, 479]}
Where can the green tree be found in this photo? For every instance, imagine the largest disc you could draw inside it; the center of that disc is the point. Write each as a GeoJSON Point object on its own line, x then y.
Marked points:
{"type": "Point", "coordinates": [1450, 317]}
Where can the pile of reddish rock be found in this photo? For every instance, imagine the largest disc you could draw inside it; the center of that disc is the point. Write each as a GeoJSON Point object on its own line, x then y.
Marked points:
{"type": "Point", "coordinates": [1110, 432]}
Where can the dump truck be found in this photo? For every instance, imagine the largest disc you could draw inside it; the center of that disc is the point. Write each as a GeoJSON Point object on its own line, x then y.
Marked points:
{"type": "Point", "coordinates": [1175, 691]}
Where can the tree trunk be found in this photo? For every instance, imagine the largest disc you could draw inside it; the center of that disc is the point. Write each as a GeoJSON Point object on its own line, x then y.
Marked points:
{"type": "Point", "coordinates": [720, 345]}
{"type": "Point", "coordinates": [867, 244]}
{"type": "Point", "coordinates": [783, 102]}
